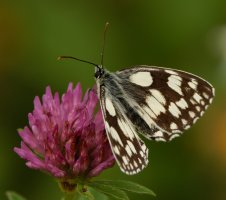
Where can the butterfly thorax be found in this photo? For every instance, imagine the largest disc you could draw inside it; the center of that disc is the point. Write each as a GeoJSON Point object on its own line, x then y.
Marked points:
{"type": "Point", "coordinates": [100, 75]}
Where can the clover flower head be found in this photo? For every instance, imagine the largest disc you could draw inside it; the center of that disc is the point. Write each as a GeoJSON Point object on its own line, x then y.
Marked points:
{"type": "Point", "coordinates": [66, 138]}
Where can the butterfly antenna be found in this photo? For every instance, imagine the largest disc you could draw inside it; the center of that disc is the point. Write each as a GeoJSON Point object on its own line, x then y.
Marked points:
{"type": "Point", "coordinates": [71, 57]}
{"type": "Point", "coordinates": [102, 53]}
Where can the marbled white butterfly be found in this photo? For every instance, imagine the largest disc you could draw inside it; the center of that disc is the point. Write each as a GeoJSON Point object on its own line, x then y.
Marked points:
{"type": "Point", "coordinates": [159, 103]}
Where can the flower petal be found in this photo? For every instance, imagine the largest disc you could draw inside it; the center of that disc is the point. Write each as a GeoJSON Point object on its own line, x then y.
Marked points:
{"type": "Point", "coordinates": [104, 165]}
{"type": "Point", "coordinates": [30, 140]}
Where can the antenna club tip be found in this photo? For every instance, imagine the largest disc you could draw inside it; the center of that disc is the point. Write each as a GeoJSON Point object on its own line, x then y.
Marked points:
{"type": "Point", "coordinates": [106, 24]}
{"type": "Point", "coordinates": [59, 58]}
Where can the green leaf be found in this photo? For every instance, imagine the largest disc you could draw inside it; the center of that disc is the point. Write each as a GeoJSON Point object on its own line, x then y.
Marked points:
{"type": "Point", "coordinates": [14, 196]}
{"type": "Point", "coordinates": [127, 185]}
{"type": "Point", "coordinates": [111, 192]}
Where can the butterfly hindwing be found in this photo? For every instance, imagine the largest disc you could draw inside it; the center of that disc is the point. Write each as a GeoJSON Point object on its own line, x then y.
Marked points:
{"type": "Point", "coordinates": [129, 150]}
{"type": "Point", "coordinates": [168, 100]}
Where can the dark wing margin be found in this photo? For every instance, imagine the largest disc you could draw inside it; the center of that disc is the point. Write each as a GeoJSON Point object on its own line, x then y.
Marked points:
{"type": "Point", "coordinates": [171, 100]}
{"type": "Point", "coordinates": [129, 150]}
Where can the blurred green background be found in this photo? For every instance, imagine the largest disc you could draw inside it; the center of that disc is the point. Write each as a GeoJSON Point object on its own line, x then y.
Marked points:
{"type": "Point", "coordinates": [187, 35]}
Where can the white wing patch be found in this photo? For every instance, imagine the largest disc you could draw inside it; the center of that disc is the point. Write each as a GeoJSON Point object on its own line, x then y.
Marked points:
{"type": "Point", "coordinates": [127, 130]}
{"type": "Point", "coordinates": [192, 114]}
{"type": "Point", "coordinates": [155, 105]}
{"type": "Point", "coordinates": [158, 96]}
{"type": "Point", "coordinates": [174, 136]}
{"type": "Point", "coordinates": [205, 95]}
{"type": "Point", "coordinates": [197, 97]}
{"type": "Point", "coordinates": [184, 121]}
{"type": "Point", "coordinates": [109, 107]}
{"type": "Point", "coordinates": [133, 148]}
{"type": "Point", "coordinates": [198, 108]}
{"type": "Point", "coordinates": [192, 85]}
{"type": "Point", "coordinates": [141, 78]}
{"type": "Point", "coordinates": [174, 82]}
{"type": "Point", "coordinates": [182, 103]}
{"type": "Point", "coordinates": [173, 126]}
{"type": "Point", "coordinates": [174, 110]}
{"type": "Point", "coordinates": [158, 134]}
{"type": "Point", "coordinates": [171, 72]}
{"type": "Point", "coordinates": [115, 136]}
{"type": "Point", "coordinates": [147, 111]}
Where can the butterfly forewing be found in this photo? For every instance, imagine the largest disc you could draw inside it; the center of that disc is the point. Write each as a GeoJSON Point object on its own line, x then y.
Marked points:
{"type": "Point", "coordinates": [129, 150]}
{"type": "Point", "coordinates": [168, 100]}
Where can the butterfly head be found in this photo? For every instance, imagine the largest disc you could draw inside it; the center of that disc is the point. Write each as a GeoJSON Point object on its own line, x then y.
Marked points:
{"type": "Point", "coordinates": [99, 72]}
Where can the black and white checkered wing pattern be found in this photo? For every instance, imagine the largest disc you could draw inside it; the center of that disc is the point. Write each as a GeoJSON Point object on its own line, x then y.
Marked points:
{"type": "Point", "coordinates": [129, 150]}
{"type": "Point", "coordinates": [168, 100]}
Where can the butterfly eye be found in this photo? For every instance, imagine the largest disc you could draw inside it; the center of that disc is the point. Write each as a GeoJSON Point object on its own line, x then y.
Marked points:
{"type": "Point", "coordinates": [97, 74]}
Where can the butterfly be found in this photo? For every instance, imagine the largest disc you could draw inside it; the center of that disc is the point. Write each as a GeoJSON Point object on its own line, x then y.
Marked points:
{"type": "Point", "coordinates": [158, 103]}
